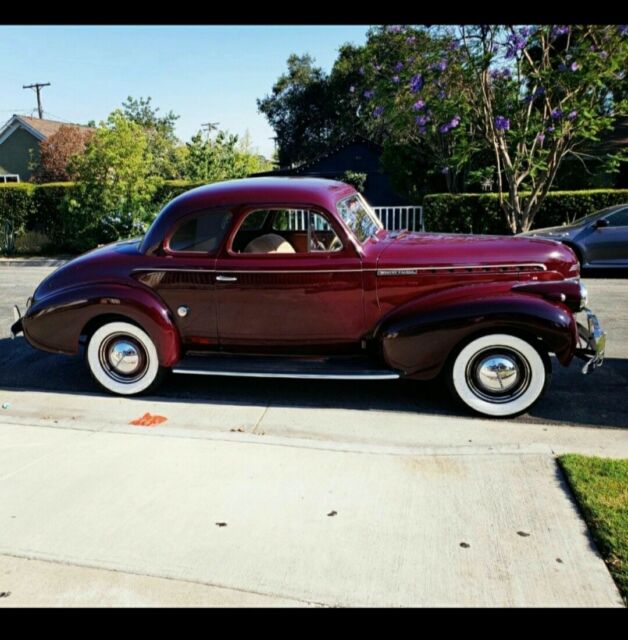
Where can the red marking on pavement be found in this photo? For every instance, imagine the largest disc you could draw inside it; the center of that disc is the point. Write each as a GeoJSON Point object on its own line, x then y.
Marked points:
{"type": "Point", "coordinates": [148, 420]}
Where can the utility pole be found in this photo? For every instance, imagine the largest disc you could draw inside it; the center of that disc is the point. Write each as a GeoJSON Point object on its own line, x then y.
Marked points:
{"type": "Point", "coordinates": [275, 159]}
{"type": "Point", "coordinates": [210, 126]}
{"type": "Point", "coordinates": [38, 87]}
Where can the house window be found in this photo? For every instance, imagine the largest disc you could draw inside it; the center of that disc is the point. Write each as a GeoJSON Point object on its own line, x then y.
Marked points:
{"type": "Point", "coordinates": [10, 177]}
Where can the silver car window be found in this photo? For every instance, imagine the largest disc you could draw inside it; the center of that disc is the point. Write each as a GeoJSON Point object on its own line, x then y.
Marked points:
{"type": "Point", "coordinates": [618, 219]}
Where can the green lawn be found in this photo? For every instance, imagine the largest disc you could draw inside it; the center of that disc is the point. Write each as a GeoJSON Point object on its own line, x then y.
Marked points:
{"type": "Point", "coordinates": [601, 489]}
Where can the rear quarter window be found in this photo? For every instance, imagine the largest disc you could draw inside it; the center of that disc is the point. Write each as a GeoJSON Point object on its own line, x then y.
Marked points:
{"type": "Point", "coordinates": [201, 233]}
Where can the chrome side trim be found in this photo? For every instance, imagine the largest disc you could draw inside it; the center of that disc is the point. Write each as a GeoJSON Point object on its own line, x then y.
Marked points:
{"type": "Point", "coordinates": [455, 267]}
{"type": "Point", "coordinates": [397, 272]}
{"type": "Point", "coordinates": [393, 271]}
{"type": "Point", "coordinates": [388, 375]}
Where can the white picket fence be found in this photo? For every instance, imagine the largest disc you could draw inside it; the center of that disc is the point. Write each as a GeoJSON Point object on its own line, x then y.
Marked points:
{"type": "Point", "coordinates": [393, 218]}
{"type": "Point", "coordinates": [396, 218]}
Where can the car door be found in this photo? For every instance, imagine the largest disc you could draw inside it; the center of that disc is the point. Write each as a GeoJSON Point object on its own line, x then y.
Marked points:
{"type": "Point", "coordinates": [609, 244]}
{"type": "Point", "coordinates": [184, 275]}
{"type": "Point", "coordinates": [297, 284]}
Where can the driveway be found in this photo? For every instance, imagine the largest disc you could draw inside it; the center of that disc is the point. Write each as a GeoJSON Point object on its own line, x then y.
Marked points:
{"type": "Point", "coordinates": [256, 492]}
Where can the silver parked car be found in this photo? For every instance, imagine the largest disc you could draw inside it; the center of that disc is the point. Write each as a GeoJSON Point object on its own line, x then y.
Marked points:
{"type": "Point", "coordinates": [600, 239]}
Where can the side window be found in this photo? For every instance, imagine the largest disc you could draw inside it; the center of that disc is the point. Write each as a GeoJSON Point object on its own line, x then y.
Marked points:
{"type": "Point", "coordinates": [321, 235]}
{"type": "Point", "coordinates": [201, 233]}
{"type": "Point", "coordinates": [618, 219]}
{"type": "Point", "coordinates": [291, 231]}
{"type": "Point", "coordinates": [254, 221]}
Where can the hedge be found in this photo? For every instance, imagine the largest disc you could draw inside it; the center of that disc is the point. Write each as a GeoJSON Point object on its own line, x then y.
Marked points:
{"type": "Point", "coordinates": [15, 203]}
{"type": "Point", "coordinates": [171, 189]}
{"type": "Point", "coordinates": [36, 209]}
{"type": "Point", "coordinates": [481, 213]}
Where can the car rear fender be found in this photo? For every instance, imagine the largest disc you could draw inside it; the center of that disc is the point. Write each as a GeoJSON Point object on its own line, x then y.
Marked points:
{"type": "Point", "coordinates": [419, 337]}
{"type": "Point", "coordinates": [56, 322]}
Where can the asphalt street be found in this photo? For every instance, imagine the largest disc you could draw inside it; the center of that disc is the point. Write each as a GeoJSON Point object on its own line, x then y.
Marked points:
{"type": "Point", "coordinates": [573, 399]}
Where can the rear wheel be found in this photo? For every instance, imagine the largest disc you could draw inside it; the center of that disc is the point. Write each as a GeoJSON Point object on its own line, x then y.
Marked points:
{"type": "Point", "coordinates": [499, 375]}
{"type": "Point", "coordinates": [123, 359]}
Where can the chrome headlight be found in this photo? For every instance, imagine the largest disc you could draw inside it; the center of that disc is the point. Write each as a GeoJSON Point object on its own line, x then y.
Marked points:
{"type": "Point", "coordinates": [584, 297]}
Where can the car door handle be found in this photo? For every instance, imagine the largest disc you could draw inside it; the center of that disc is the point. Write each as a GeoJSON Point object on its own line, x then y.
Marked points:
{"type": "Point", "coordinates": [226, 279]}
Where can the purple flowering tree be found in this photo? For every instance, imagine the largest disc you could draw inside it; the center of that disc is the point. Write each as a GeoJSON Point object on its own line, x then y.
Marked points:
{"type": "Point", "coordinates": [530, 95]}
{"type": "Point", "coordinates": [411, 85]}
{"type": "Point", "coordinates": [540, 94]}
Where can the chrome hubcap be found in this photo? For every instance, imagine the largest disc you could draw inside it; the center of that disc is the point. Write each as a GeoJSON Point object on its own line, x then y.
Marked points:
{"type": "Point", "coordinates": [498, 373]}
{"type": "Point", "coordinates": [123, 357]}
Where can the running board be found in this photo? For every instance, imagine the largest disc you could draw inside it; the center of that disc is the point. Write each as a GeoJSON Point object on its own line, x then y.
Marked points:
{"type": "Point", "coordinates": [277, 367]}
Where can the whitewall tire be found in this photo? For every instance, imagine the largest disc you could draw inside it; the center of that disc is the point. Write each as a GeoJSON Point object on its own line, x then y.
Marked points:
{"type": "Point", "coordinates": [123, 359]}
{"type": "Point", "coordinates": [499, 375]}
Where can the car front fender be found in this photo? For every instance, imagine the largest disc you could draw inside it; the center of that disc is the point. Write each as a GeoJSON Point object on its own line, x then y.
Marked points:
{"type": "Point", "coordinates": [56, 321]}
{"type": "Point", "coordinates": [419, 337]}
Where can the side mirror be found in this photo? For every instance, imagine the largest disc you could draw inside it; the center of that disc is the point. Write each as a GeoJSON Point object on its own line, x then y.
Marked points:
{"type": "Point", "coordinates": [600, 222]}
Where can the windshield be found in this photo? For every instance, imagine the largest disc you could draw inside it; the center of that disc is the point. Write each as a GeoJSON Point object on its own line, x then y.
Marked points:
{"type": "Point", "coordinates": [359, 217]}
{"type": "Point", "coordinates": [595, 214]}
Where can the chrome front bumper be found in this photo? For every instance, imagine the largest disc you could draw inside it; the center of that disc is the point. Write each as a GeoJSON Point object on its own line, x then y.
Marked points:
{"type": "Point", "coordinates": [592, 343]}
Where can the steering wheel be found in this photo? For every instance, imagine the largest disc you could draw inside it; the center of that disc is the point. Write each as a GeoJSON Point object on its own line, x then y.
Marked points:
{"type": "Point", "coordinates": [335, 244]}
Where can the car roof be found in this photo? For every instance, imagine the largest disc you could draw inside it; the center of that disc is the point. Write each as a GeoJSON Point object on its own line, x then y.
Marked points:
{"type": "Point", "coordinates": [263, 190]}
{"type": "Point", "coordinates": [598, 214]}
{"type": "Point", "coordinates": [281, 188]}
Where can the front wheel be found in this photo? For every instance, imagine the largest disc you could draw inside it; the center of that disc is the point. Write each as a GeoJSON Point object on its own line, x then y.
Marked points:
{"type": "Point", "coordinates": [499, 375]}
{"type": "Point", "coordinates": [123, 359]}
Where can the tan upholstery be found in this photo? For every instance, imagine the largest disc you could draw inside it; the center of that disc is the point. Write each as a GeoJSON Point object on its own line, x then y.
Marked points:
{"type": "Point", "coordinates": [269, 243]}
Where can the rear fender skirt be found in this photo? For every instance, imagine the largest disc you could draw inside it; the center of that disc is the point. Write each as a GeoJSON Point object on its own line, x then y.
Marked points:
{"type": "Point", "coordinates": [422, 337]}
{"type": "Point", "coordinates": [55, 323]}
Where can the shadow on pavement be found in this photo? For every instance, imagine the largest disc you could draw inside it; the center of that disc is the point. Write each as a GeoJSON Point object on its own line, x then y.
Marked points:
{"type": "Point", "coordinates": [612, 273]}
{"type": "Point", "coordinates": [600, 399]}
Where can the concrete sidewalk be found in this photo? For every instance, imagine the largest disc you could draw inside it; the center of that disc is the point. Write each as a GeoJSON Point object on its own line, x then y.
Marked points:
{"type": "Point", "coordinates": [41, 583]}
{"type": "Point", "coordinates": [297, 521]}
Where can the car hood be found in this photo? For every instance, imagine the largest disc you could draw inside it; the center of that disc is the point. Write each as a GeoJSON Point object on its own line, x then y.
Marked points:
{"type": "Point", "coordinates": [455, 250]}
{"type": "Point", "coordinates": [552, 232]}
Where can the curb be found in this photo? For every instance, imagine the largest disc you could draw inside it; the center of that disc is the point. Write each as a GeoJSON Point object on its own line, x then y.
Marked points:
{"type": "Point", "coordinates": [32, 262]}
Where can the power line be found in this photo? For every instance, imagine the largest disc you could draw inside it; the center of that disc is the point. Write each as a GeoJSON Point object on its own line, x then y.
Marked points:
{"type": "Point", "coordinates": [15, 110]}
{"type": "Point", "coordinates": [59, 118]}
{"type": "Point", "coordinates": [38, 86]}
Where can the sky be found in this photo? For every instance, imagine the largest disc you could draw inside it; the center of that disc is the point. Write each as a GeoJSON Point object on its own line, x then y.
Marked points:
{"type": "Point", "coordinates": [202, 73]}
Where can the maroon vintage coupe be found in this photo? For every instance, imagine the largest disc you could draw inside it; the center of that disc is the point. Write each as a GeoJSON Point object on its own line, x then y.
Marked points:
{"type": "Point", "coordinates": [296, 278]}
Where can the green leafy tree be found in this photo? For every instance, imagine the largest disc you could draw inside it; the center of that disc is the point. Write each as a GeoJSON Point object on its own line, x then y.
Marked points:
{"type": "Point", "coordinates": [115, 184]}
{"type": "Point", "coordinates": [303, 111]}
{"type": "Point", "coordinates": [410, 91]}
{"type": "Point", "coordinates": [160, 133]}
{"type": "Point", "coordinates": [356, 179]}
{"type": "Point", "coordinates": [312, 112]}
{"type": "Point", "coordinates": [225, 157]}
